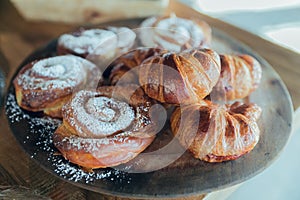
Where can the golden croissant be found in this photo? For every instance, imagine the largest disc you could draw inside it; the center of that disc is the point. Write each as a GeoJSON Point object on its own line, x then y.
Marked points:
{"type": "Point", "coordinates": [185, 77]}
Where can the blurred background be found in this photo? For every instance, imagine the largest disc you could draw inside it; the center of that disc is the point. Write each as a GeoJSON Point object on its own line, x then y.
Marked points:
{"type": "Point", "coordinates": [275, 20]}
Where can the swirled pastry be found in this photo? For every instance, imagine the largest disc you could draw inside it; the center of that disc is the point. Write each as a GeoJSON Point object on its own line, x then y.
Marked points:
{"type": "Point", "coordinates": [174, 33]}
{"type": "Point", "coordinates": [185, 77]}
{"type": "Point", "coordinates": [97, 44]}
{"type": "Point", "coordinates": [126, 62]}
{"type": "Point", "coordinates": [240, 75]}
{"type": "Point", "coordinates": [216, 133]}
{"type": "Point", "coordinates": [105, 128]}
{"type": "Point", "coordinates": [46, 85]}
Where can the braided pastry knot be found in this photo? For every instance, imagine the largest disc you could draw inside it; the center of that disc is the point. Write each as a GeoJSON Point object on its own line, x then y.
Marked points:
{"type": "Point", "coordinates": [240, 75]}
{"type": "Point", "coordinates": [217, 133]}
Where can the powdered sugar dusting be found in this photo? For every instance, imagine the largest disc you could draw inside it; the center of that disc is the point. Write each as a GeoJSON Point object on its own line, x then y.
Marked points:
{"type": "Point", "coordinates": [88, 40]}
{"type": "Point", "coordinates": [55, 72]}
{"type": "Point", "coordinates": [111, 117]}
{"type": "Point", "coordinates": [93, 145]}
{"type": "Point", "coordinates": [39, 137]}
{"type": "Point", "coordinates": [13, 111]}
{"type": "Point", "coordinates": [171, 33]}
{"type": "Point", "coordinates": [126, 37]}
{"type": "Point", "coordinates": [52, 71]}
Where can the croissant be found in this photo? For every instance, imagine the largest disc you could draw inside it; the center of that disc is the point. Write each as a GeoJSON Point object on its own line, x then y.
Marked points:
{"type": "Point", "coordinates": [47, 84]}
{"type": "Point", "coordinates": [174, 33]}
{"type": "Point", "coordinates": [240, 75]}
{"type": "Point", "coordinates": [97, 45]}
{"type": "Point", "coordinates": [185, 77]}
{"type": "Point", "coordinates": [125, 64]}
{"type": "Point", "coordinates": [106, 127]}
{"type": "Point", "coordinates": [216, 133]}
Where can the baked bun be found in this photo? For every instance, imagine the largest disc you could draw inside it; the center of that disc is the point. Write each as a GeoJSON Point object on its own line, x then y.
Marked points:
{"type": "Point", "coordinates": [106, 127]}
{"type": "Point", "coordinates": [45, 85]}
{"type": "Point", "coordinates": [174, 33]}
{"type": "Point", "coordinates": [97, 45]}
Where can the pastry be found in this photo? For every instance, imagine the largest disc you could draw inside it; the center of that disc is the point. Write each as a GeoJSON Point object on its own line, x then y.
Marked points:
{"type": "Point", "coordinates": [216, 133]}
{"type": "Point", "coordinates": [240, 75]}
{"type": "Point", "coordinates": [126, 63]}
{"type": "Point", "coordinates": [174, 33]}
{"type": "Point", "coordinates": [98, 45]}
{"type": "Point", "coordinates": [106, 127]}
{"type": "Point", "coordinates": [45, 85]}
{"type": "Point", "coordinates": [177, 78]}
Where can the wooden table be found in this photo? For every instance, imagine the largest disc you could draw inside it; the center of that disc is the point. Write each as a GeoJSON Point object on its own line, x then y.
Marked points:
{"type": "Point", "coordinates": [18, 38]}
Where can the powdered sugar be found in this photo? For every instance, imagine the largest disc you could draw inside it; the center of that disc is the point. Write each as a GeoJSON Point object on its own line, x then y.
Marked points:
{"type": "Point", "coordinates": [55, 73]}
{"type": "Point", "coordinates": [126, 38]}
{"type": "Point", "coordinates": [73, 173]}
{"type": "Point", "coordinates": [171, 33]}
{"type": "Point", "coordinates": [92, 145]}
{"type": "Point", "coordinates": [94, 124]}
{"type": "Point", "coordinates": [51, 71]}
{"type": "Point", "coordinates": [13, 111]}
{"type": "Point", "coordinates": [88, 40]}
{"type": "Point", "coordinates": [38, 137]}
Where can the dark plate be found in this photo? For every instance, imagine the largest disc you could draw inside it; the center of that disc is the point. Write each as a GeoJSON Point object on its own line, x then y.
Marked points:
{"type": "Point", "coordinates": [184, 177]}
{"type": "Point", "coordinates": [2, 85]}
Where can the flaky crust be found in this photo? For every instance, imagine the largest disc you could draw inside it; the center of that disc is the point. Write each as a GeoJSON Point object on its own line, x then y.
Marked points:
{"type": "Point", "coordinates": [92, 138]}
{"type": "Point", "coordinates": [186, 77]}
{"type": "Point", "coordinates": [126, 63]}
{"type": "Point", "coordinates": [240, 75]}
{"type": "Point", "coordinates": [216, 133]}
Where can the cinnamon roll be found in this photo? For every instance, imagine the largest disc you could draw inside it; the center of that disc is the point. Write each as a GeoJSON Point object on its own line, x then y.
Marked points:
{"type": "Point", "coordinates": [216, 133]}
{"type": "Point", "coordinates": [45, 85]}
{"type": "Point", "coordinates": [106, 127]}
{"type": "Point", "coordinates": [174, 33]}
{"type": "Point", "coordinates": [126, 63]}
{"type": "Point", "coordinates": [240, 75]}
{"type": "Point", "coordinates": [97, 44]}
{"type": "Point", "coordinates": [177, 78]}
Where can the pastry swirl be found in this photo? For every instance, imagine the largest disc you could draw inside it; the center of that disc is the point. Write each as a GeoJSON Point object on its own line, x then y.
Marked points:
{"type": "Point", "coordinates": [240, 75]}
{"type": "Point", "coordinates": [101, 129]}
{"type": "Point", "coordinates": [223, 132]}
{"type": "Point", "coordinates": [174, 33]}
{"type": "Point", "coordinates": [97, 44]}
{"type": "Point", "coordinates": [185, 77]}
{"type": "Point", "coordinates": [45, 85]}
